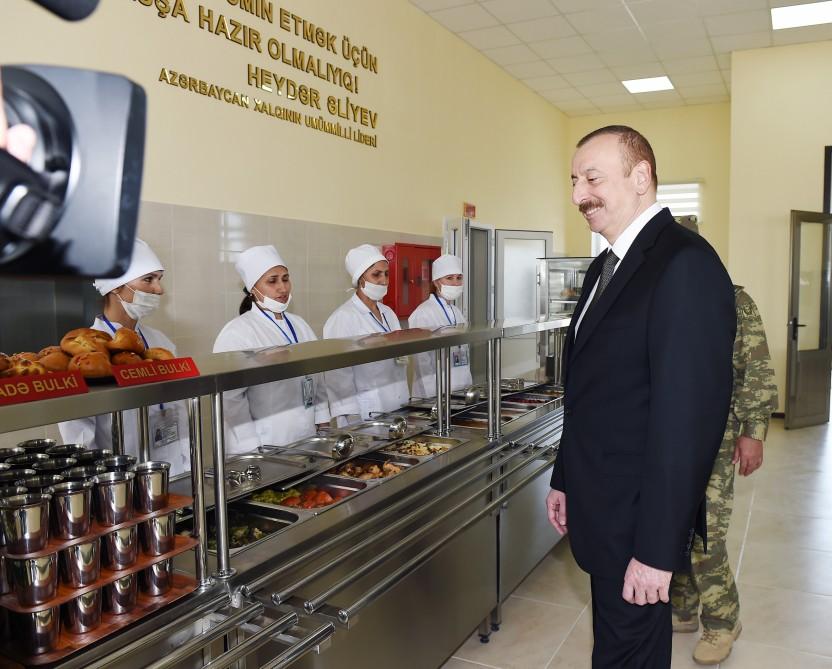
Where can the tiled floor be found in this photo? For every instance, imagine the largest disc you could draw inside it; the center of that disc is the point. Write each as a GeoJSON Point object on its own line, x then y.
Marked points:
{"type": "Point", "coordinates": [780, 544]}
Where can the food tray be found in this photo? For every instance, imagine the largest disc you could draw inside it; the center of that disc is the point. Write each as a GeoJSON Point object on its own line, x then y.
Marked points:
{"type": "Point", "coordinates": [110, 624]}
{"type": "Point", "coordinates": [378, 459]}
{"type": "Point", "coordinates": [427, 439]}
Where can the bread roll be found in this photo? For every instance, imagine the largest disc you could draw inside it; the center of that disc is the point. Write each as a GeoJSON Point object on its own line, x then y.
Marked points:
{"type": "Point", "coordinates": [54, 359]}
{"type": "Point", "coordinates": [126, 358]}
{"type": "Point", "coordinates": [23, 367]}
{"type": "Point", "coordinates": [4, 363]}
{"type": "Point", "coordinates": [95, 365]}
{"type": "Point", "coordinates": [85, 340]}
{"type": "Point", "coordinates": [126, 339]}
{"type": "Point", "coordinates": [26, 355]}
{"type": "Point", "coordinates": [158, 353]}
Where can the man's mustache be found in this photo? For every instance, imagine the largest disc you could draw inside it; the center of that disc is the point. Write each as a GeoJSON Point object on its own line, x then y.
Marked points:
{"type": "Point", "coordinates": [589, 204]}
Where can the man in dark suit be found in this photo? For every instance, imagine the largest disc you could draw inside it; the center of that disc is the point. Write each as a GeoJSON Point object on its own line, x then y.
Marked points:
{"type": "Point", "coordinates": [647, 376]}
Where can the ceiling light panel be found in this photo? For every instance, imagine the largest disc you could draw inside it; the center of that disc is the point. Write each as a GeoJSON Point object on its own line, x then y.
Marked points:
{"type": "Point", "coordinates": [648, 85]}
{"type": "Point", "coordinates": [799, 16]}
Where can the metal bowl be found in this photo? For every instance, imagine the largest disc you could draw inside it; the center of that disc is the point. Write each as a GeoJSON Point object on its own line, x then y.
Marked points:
{"type": "Point", "coordinates": [120, 595]}
{"type": "Point", "coordinates": [93, 456]}
{"type": "Point", "coordinates": [14, 476]}
{"type": "Point", "coordinates": [114, 497]}
{"type": "Point", "coordinates": [10, 452]}
{"type": "Point", "coordinates": [83, 614]}
{"type": "Point", "coordinates": [120, 548]}
{"type": "Point", "coordinates": [81, 564]}
{"type": "Point", "coordinates": [36, 633]}
{"type": "Point", "coordinates": [11, 490]}
{"type": "Point", "coordinates": [25, 520]}
{"type": "Point", "coordinates": [54, 465]}
{"type": "Point", "coordinates": [65, 451]}
{"type": "Point", "coordinates": [26, 461]}
{"type": "Point", "coordinates": [152, 480]}
{"type": "Point", "coordinates": [37, 445]}
{"type": "Point", "coordinates": [84, 473]}
{"type": "Point", "coordinates": [71, 509]}
{"type": "Point", "coordinates": [157, 579]}
{"type": "Point", "coordinates": [118, 463]}
{"type": "Point", "coordinates": [41, 482]}
{"type": "Point", "coordinates": [34, 580]}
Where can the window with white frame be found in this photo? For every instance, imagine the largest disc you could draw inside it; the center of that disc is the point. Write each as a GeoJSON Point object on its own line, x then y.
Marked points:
{"type": "Point", "coordinates": [683, 199]}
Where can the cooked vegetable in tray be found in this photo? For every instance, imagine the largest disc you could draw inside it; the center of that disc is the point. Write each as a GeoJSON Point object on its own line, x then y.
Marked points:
{"type": "Point", "coordinates": [421, 448]}
{"type": "Point", "coordinates": [366, 470]}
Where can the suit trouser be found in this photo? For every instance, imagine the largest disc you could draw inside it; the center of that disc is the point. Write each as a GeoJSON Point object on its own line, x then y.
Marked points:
{"type": "Point", "coordinates": [628, 636]}
{"type": "Point", "coordinates": [711, 582]}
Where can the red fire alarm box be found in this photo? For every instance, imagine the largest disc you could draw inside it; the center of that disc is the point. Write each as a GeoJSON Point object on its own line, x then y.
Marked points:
{"type": "Point", "coordinates": [410, 267]}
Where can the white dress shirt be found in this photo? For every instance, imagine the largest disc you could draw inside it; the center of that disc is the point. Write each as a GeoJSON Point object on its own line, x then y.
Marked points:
{"type": "Point", "coordinates": [620, 247]}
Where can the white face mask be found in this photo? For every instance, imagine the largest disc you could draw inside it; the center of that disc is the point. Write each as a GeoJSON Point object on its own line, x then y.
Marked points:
{"type": "Point", "coordinates": [451, 293]}
{"type": "Point", "coordinates": [143, 304]}
{"type": "Point", "coordinates": [374, 291]}
{"type": "Point", "coordinates": [270, 304]}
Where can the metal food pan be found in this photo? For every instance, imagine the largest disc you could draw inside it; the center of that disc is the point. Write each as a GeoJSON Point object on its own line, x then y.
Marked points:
{"type": "Point", "coordinates": [243, 515]}
{"type": "Point", "coordinates": [377, 458]}
{"type": "Point", "coordinates": [429, 439]}
{"type": "Point", "coordinates": [325, 482]}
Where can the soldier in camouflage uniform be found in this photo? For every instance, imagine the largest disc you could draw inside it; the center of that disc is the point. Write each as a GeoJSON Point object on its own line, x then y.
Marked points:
{"type": "Point", "coordinates": [711, 583]}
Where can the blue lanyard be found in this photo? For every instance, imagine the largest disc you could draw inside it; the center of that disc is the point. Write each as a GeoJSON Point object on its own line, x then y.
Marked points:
{"type": "Point", "coordinates": [385, 327]}
{"type": "Point", "coordinates": [282, 331]}
{"type": "Point", "coordinates": [113, 328]}
{"type": "Point", "coordinates": [450, 322]}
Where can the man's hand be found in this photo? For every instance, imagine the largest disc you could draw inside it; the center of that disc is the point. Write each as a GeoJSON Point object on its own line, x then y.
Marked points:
{"type": "Point", "coordinates": [556, 508]}
{"type": "Point", "coordinates": [749, 453]}
{"type": "Point", "coordinates": [19, 140]}
{"type": "Point", "coordinates": [645, 585]}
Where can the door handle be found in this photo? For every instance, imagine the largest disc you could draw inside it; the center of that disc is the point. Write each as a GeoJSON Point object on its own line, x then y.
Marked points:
{"type": "Point", "coordinates": [794, 325]}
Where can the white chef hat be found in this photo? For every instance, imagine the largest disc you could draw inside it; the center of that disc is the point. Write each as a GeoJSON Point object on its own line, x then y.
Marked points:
{"type": "Point", "coordinates": [255, 262]}
{"type": "Point", "coordinates": [144, 261]}
{"type": "Point", "coordinates": [445, 265]}
{"type": "Point", "coordinates": [360, 259]}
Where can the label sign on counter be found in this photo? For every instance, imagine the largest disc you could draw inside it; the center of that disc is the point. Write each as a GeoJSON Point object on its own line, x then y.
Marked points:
{"type": "Point", "coordinates": [153, 371]}
{"type": "Point", "coordinates": [17, 389]}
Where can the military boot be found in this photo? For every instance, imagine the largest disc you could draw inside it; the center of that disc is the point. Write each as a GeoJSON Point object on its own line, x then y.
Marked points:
{"type": "Point", "coordinates": [715, 645]}
{"type": "Point", "coordinates": [683, 625]}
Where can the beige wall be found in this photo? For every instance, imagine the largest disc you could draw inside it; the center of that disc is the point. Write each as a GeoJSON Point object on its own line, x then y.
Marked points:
{"type": "Point", "coordinates": [690, 143]}
{"type": "Point", "coordinates": [780, 122]}
{"type": "Point", "coordinates": [453, 126]}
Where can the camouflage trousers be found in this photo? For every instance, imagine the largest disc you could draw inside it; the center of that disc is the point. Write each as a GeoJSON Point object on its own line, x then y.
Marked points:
{"type": "Point", "coordinates": [711, 583]}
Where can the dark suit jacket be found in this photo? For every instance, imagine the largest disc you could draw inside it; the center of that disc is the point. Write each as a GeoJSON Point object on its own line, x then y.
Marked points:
{"type": "Point", "coordinates": [647, 391]}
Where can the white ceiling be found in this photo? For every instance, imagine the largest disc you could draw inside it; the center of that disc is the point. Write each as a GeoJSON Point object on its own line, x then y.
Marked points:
{"type": "Point", "coordinates": [575, 53]}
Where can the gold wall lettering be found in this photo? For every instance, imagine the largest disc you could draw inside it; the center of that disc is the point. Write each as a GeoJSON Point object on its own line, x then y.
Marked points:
{"type": "Point", "coordinates": [338, 115]}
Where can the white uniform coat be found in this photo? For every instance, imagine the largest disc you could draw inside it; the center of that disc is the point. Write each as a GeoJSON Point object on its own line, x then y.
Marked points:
{"type": "Point", "coordinates": [430, 316]}
{"type": "Point", "coordinates": [372, 387]}
{"type": "Point", "coordinates": [271, 414]}
{"type": "Point", "coordinates": [168, 422]}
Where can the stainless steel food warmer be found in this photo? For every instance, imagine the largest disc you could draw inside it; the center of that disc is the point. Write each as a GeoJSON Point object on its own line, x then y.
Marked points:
{"type": "Point", "coordinates": [298, 563]}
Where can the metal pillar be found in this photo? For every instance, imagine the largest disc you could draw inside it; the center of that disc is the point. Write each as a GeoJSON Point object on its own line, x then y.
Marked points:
{"type": "Point", "coordinates": [224, 570]}
{"type": "Point", "coordinates": [493, 382]}
{"type": "Point", "coordinates": [440, 413]}
{"type": "Point", "coordinates": [446, 404]}
{"type": "Point", "coordinates": [117, 430]}
{"type": "Point", "coordinates": [143, 418]}
{"type": "Point", "coordinates": [198, 486]}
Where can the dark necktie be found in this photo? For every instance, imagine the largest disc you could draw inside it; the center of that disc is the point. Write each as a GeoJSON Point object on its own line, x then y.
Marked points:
{"type": "Point", "coordinates": [607, 270]}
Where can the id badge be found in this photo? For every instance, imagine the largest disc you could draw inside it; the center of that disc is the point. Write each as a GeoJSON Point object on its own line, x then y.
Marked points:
{"type": "Point", "coordinates": [166, 426]}
{"type": "Point", "coordinates": [459, 356]}
{"type": "Point", "coordinates": [308, 391]}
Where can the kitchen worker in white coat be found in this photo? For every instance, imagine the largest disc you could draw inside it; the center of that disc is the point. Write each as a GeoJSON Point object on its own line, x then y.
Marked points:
{"type": "Point", "coordinates": [129, 299]}
{"type": "Point", "coordinates": [271, 414]}
{"type": "Point", "coordinates": [356, 392]}
{"type": "Point", "coordinates": [438, 311]}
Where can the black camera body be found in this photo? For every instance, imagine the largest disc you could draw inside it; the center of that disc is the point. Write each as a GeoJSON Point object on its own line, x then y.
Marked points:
{"type": "Point", "coordinates": [73, 209]}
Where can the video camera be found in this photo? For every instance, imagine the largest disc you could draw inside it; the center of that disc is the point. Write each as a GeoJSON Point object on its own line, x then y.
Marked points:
{"type": "Point", "coordinates": [73, 208]}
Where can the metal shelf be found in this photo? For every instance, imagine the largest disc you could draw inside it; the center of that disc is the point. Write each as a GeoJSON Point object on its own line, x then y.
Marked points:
{"type": "Point", "coordinates": [226, 371]}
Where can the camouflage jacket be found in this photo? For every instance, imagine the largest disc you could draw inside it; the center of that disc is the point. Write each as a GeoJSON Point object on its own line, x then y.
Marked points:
{"type": "Point", "coordinates": [755, 393]}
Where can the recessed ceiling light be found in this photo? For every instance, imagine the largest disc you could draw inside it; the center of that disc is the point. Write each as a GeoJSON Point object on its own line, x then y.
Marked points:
{"type": "Point", "coordinates": [647, 85]}
{"type": "Point", "coordinates": [797, 16]}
